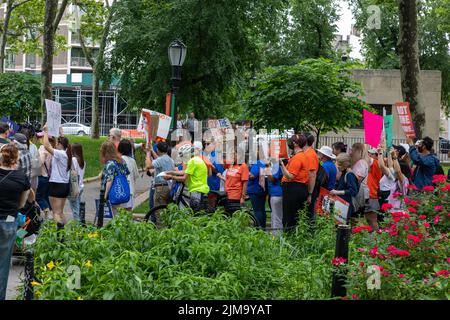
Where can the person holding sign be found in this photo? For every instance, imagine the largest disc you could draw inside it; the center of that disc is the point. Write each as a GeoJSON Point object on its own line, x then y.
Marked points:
{"type": "Point", "coordinates": [347, 186]}
{"type": "Point", "coordinates": [59, 187]}
{"type": "Point", "coordinates": [427, 163]}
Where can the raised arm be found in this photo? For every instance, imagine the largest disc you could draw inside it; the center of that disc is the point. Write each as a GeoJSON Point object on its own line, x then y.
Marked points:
{"type": "Point", "coordinates": [47, 144]}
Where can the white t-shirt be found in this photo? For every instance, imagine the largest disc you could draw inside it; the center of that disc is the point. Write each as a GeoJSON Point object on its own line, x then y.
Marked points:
{"type": "Point", "coordinates": [361, 169]}
{"type": "Point", "coordinates": [60, 174]}
{"type": "Point", "coordinates": [387, 182]}
{"type": "Point", "coordinates": [80, 172]}
{"type": "Point", "coordinates": [134, 173]}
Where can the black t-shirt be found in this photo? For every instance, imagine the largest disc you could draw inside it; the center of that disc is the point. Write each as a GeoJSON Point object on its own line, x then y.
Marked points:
{"type": "Point", "coordinates": [12, 185]}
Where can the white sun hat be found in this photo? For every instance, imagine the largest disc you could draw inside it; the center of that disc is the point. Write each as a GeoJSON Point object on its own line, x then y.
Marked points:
{"type": "Point", "coordinates": [327, 151]}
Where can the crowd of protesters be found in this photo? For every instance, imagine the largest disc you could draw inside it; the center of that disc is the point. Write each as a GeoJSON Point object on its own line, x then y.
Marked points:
{"type": "Point", "coordinates": [54, 173]}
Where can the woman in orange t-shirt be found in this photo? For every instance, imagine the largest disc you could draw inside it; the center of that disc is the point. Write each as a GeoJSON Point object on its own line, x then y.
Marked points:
{"type": "Point", "coordinates": [294, 182]}
{"type": "Point", "coordinates": [236, 179]}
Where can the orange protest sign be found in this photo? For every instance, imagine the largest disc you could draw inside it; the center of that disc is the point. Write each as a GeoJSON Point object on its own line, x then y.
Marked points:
{"type": "Point", "coordinates": [278, 149]}
{"type": "Point", "coordinates": [404, 115]}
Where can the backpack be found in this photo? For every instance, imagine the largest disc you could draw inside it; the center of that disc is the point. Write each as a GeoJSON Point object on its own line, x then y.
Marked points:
{"type": "Point", "coordinates": [321, 178]}
{"type": "Point", "coordinates": [358, 201]}
{"type": "Point", "coordinates": [120, 189]}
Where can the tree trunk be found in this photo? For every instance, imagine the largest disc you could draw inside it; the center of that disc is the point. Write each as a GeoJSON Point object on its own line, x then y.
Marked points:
{"type": "Point", "coordinates": [409, 63]}
{"type": "Point", "coordinates": [317, 138]}
{"type": "Point", "coordinates": [51, 7]}
{"type": "Point", "coordinates": [95, 127]}
{"type": "Point", "coordinates": [4, 35]}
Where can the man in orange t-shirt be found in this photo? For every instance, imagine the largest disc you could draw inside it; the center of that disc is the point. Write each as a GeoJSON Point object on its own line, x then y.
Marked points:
{"type": "Point", "coordinates": [313, 166]}
{"type": "Point", "coordinates": [236, 179]}
{"type": "Point", "coordinates": [373, 182]}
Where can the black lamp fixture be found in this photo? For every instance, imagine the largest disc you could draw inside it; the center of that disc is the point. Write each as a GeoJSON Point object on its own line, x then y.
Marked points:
{"type": "Point", "coordinates": [177, 55]}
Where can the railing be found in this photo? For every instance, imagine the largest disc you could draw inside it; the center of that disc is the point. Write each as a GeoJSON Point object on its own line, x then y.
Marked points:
{"type": "Point", "coordinates": [80, 62]}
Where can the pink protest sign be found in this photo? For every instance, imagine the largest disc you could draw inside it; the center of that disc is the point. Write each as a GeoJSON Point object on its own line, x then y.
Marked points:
{"type": "Point", "coordinates": [373, 126]}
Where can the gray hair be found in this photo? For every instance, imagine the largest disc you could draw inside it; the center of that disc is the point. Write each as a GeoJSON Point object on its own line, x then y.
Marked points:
{"type": "Point", "coordinates": [116, 132]}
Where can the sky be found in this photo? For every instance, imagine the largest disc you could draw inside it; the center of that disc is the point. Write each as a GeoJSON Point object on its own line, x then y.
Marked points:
{"type": "Point", "coordinates": [344, 27]}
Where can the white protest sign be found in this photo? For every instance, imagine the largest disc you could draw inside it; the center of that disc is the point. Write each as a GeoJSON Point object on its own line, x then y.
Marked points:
{"type": "Point", "coordinates": [53, 117]}
{"type": "Point", "coordinates": [163, 124]}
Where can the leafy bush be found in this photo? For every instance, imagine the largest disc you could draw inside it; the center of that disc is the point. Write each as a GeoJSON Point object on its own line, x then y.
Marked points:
{"type": "Point", "coordinates": [194, 257]}
{"type": "Point", "coordinates": [411, 250]}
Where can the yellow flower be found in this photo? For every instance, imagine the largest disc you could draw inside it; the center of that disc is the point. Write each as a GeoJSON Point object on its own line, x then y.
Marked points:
{"type": "Point", "coordinates": [35, 283]}
{"type": "Point", "coordinates": [88, 264]}
{"type": "Point", "coordinates": [92, 235]}
{"type": "Point", "coordinates": [38, 294]}
{"type": "Point", "coordinates": [79, 298]}
{"type": "Point", "coordinates": [50, 265]}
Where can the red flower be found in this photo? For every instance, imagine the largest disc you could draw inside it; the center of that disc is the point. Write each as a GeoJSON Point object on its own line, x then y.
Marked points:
{"type": "Point", "coordinates": [401, 275]}
{"type": "Point", "coordinates": [413, 203]}
{"type": "Point", "coordinates": [361, 264]}
{"type": "Point", "coordinates": [385, 274]}
{"type": "Point", "coordinates": [405, 227]}
{"type": "Point", "coordinates": [374, 252]}
{"type": "Point", "coordinates": [394, 251]}
{"type": "Point", "coordinates": [412, 210]}
{"type": "Point", "coordinates": [438, 208]}
{"type": "Point", "coordinates": [422, 216]}
{"type": "Point", "coordinates": [361, 249]}
{"type": "Point", "coordinates": [428, 189]}
{"type": "Point", "coordinates": [395, 195]}
{"type": "Point", "coordinates": [415, 239]}
{"type": "Point", "coordinates": [448, 260]}
{"type": "Point", "coordinates": [393, 230]}
{"type": "Point", "coordinates": [338, 261]}
{"type": "Point", "coordinates": [439, 178]}
{"type": "Point", "coordinates": [436, 220]}
{"type": "Point", "coordinates": [444, 273]}
{"type": "Point", "coordinates": [426, 224]}
{"type": "Point", "coordinates": [448, 215]}
{"type": "Point", "coordinates": [354, 297]}
{"type": "Point", "coordinates": [406, 200]}
{"type": "Point", "coordinates": [412, 187]}
{"type": "Point", "coordinates": [386, 206]}
{"type": "Point", "coordinates": [413, 223]}
{"type": "Point", "coordinates": [446, 187]}
{"type": "Point", "coordinates": [362, 228]}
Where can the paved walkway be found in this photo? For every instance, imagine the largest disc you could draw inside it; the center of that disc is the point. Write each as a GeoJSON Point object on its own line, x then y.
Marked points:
{"type": "Point", "coordinates": [90, 193]}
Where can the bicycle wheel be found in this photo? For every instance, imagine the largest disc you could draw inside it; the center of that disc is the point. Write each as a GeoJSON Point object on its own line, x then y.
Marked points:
{"type": "Point", "coordinates": [153, 211]}
{"type": "Point", "coordinates": [252, 219]}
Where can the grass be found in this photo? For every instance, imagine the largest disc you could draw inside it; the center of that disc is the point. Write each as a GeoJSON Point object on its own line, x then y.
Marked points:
{"type": "Point", "coordinates": [446, 168]}
{"type": "Point", "coordinates": [143, 208]}
{"type": "Point", "coordinates": [91, 150]}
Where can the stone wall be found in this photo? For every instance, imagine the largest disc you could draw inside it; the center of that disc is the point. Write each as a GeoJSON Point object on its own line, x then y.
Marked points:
{"type": "Point", "coordinates": [384, 87]}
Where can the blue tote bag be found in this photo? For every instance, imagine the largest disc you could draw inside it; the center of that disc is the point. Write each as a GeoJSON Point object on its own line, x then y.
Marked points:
{"type": "Point", "coordinates": [120, 189]}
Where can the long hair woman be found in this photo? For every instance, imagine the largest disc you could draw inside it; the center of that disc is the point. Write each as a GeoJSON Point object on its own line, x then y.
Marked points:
{"type": "Point", "coordinates": [294, 182]}
{"type": "Point", "coordinates": [360, 167]}
{"type": "Point", "coordinates": [13, 194]}
{"type": "Point", "coordinates": [59, 187]}
{"type": "Point", "coordinates": [79, 165]}
{"type": "Point", "coordinates": [113, 166]}
{"type": "Point", "coordinates": [126, 149]}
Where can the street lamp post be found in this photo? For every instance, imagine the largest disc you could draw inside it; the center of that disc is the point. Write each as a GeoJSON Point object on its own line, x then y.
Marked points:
{"type": "Point", "coordinates": [177, 55]}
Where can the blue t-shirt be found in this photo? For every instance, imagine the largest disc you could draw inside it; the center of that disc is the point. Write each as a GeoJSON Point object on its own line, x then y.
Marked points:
{"type": "Point", "coordinates": [161, 164]}
{"type": "Point", "coordinates": [214, 180]}
{"type": "Point", "coordinates": [331, 170]}
{"type": "Point", "coordinates": [275, 189]}
{"type": "Point", "coordinates": [253, 186]}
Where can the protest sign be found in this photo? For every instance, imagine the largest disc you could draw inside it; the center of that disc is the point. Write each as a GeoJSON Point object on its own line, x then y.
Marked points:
{"type": "Point", "coordinates": [388, 130]}
{"type": "Point", "coordinates": [373, 127]}
{"type": "Point", "coordinates": [162, 122]}
{"type": "Point", "coordinates": [326, 204]}
{"type": "Point", "coordinates": [278, 149]}
{"type": "Point", "coordinates": [53, 117]}
{"type": "Point", "coordinates": [154, 124]}
{"type": "Point", "coordinates": [404, 115]}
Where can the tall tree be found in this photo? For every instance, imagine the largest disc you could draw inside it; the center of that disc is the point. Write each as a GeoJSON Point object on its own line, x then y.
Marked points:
{"type": "Point", "coordinates": [308, 32]}
{"type": "Point", "coordinates": [409, 62]}
{"type": "Point", "coordinates": [225, 42]}
{"type": "Point", "coordinates": [95, 25]}
{"type": "Point", "coordinates": [11, 5]}
{"type": "Point", "coordinates": [314, 94]}
{"type": "Point", "coordinates": [381, 45]}
{"type": "Point", "coordinates": [53, 16]}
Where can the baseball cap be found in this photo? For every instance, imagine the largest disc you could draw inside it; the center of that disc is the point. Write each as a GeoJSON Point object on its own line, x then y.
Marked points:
{"type": "Point", "coordinates": [372, 151]}
{"type": "Point", "coordinates": [20, 138]}
{"type": "Point", "coordinates": [401, 150]}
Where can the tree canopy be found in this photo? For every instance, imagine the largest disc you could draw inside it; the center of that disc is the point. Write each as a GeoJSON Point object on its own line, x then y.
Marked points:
{"type": "Point", "coordinates": [315, 94]}
{"type": "Point", "coordinates": [20, 95]}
